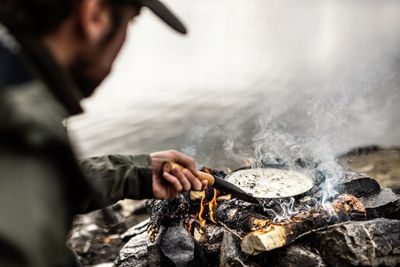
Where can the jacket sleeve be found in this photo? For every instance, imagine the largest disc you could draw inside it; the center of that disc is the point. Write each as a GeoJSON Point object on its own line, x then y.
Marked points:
{"type": "Point", "coordinates": [34, 212]}
{"type": "Point", "coordinates": [115, 177]}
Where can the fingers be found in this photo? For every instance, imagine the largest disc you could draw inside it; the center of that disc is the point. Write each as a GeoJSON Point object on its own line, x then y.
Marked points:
{"type": "Point", "coordinates": [186, 161]}
{"type": "Point", "coordinates": [173, 181]}
{"type": "Point", "coordinates": [182, 179]}
{"type": "Point", "coordinates": [194, 182]}
{"type": "Point", "coordinates": [187, 181]}
{"type": "Point", "coordinates": [204, 185]}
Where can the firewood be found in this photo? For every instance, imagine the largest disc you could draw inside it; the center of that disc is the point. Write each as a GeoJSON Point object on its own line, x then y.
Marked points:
{"type": "Point", "coordinates": [275, 235]}
{"type": "Point", "coordinates": [240, 216]}
{"type": "Point", "coordinates": [358, 185]}
{"type": "Point", "coordinates": [384, 204]}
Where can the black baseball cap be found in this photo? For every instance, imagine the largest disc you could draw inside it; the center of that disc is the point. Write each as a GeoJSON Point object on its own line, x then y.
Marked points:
{"type": "Point", "coordinates": [162, 11]}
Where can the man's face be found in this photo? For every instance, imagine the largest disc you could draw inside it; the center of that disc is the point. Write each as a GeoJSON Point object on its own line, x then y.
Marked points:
{"type": "Point", "coordinates": [101, 48]}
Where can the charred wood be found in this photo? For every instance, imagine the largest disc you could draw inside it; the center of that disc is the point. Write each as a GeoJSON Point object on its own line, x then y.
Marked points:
{"type": "Point", "coordinates": [240, 216]}
{"type": "Point", "coordinates": [368, 243]}
{"type": "Point", "coordinates": [275, 235]}
{"type": "Point", "coordinates": [165, 213]}
{"type": "Point", "coordinates": [358, 185]}
{"type": "Point", "coordinates": [384, 204]}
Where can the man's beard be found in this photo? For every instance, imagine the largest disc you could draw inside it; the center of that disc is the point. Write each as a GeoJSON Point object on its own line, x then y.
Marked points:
{"type": "Point", "coordinates": [86, 84]}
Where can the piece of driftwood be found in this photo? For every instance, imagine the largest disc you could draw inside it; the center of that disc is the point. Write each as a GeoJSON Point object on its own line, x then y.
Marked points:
{"type": "Point", "coordinates": [275, 235]}
{"type": "Point", "coordinates": [368, 243]}
{"type": "Point", "coordinates": [383, 204]}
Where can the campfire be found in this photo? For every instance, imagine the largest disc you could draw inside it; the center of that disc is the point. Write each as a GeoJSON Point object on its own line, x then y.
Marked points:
{"type": "Point", "coordinates": [355, 226]}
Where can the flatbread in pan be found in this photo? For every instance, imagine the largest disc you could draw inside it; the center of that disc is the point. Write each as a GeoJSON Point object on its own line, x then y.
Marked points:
{"type": "Point", "coordinates": [271, 183]}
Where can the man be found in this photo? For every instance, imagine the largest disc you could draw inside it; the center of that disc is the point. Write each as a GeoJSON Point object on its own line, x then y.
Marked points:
{"type": "Point", "coordinates": [53, 54]}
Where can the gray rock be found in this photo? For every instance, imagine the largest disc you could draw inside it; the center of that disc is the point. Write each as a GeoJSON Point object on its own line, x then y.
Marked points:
{"type": "Point", "coordinates": [134, 253]}
{"type": "Point", "coordinates": [231, 254]}
{"type": "Point", "coordinates": [178, 246]}
{"type": "Point", "coordinates": [298, 255]}
{"type": "Point", "coordinates": [368, 243]}
{"type": "Point", "coordinates": [135, 230]}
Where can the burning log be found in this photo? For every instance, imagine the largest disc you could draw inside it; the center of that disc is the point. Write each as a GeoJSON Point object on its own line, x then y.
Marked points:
{"type": "Point", "coordinates": [369, 243]}
{"type": "Point", "coordinates": [240, 216]}
{"type": "Point", "coordinates": [275, 235]}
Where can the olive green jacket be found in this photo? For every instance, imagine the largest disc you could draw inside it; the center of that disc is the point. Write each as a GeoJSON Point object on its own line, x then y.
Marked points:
{"type": "Point", "coordinates": [42, 184]}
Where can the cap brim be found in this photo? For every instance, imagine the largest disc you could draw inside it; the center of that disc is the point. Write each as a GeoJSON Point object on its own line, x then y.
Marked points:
{"type": "Point", "coordinates": [165, 14]}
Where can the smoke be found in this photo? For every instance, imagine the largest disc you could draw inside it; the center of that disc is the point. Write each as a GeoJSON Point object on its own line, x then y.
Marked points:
{"type": "Point", "coordinates": [313, 125]}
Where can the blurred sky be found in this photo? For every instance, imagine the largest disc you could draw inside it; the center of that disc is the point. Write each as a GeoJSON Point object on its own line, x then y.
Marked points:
{"type": "Point", "coordinates": [300, 74]}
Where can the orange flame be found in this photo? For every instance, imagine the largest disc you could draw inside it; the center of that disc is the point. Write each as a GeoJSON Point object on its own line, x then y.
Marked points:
{"type": "Point", "coordinates": [201, 219]}
{"type": "Point", "coordinates": [212, 205]}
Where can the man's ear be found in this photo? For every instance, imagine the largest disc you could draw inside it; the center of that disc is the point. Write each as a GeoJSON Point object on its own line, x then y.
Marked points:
{"type": "Point", "coordinates": [95, 18]}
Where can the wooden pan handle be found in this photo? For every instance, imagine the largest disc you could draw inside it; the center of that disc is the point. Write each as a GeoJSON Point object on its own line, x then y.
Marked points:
{"type": "Point", "coordinates": [168, 166]}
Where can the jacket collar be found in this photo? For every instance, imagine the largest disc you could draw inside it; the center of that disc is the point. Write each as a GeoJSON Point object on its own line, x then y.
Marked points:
{"type": "Point", "coordinates": [39, 62]}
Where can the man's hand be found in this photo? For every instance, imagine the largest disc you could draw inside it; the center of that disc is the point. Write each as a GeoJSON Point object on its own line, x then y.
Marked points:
{"type": "Point", "coordinates": [167, 185]}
